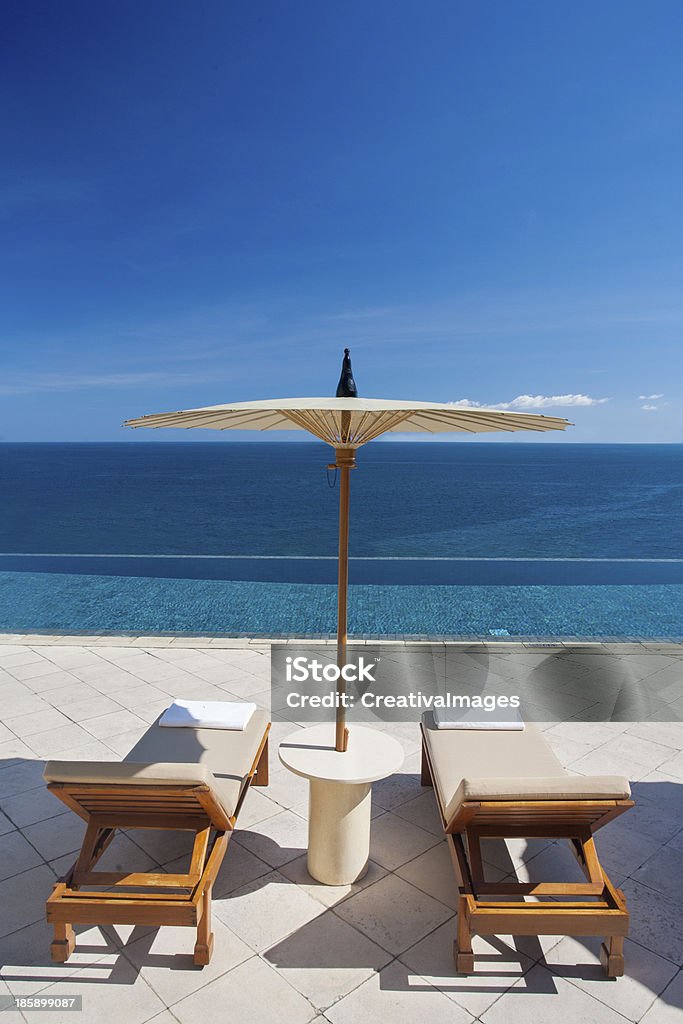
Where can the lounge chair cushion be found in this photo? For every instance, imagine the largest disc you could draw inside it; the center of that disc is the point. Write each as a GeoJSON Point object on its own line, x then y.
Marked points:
{"type": "Point", "coordinates": [506, 766]}
{"type": "Point", "coordinates": [218, 758]}
{"type": "Point", "coordinates": [124, 772]}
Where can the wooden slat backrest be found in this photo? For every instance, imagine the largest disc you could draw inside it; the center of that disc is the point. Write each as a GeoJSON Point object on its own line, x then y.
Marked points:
{"type": "Point", "coordinates": [548, 818]}
{"type": "Point", "coordinates": [133, 804]}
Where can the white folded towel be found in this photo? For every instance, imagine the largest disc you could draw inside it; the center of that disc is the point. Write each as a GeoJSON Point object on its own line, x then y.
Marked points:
{"type": "Point", "coordinates": [442, 721]}
{"type": "Point", "coordinates": [208, 714]}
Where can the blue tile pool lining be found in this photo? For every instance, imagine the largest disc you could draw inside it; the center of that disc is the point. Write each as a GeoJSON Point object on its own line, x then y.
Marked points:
{"type": "Point", "coordinates": [81, 602]}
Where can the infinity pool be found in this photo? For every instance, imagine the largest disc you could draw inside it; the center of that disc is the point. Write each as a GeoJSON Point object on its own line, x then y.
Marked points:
{"type": "Point", "coordinates": [75, 602]}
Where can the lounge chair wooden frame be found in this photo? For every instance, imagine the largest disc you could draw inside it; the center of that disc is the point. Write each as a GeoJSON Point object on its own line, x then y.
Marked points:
{"type": "Point", "coordinates": [595, 907]}
{"type": "Point", "coordinates": [145, 898]}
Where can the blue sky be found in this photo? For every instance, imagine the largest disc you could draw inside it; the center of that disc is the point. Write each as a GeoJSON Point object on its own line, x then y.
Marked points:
{"type": "Point", "coordinates": [204, 203]}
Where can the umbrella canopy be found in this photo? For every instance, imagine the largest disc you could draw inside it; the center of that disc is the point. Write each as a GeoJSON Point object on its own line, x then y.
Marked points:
{"type": "Point", "coordinates": [351, 422]}
{"type": "Point", "coordinates": [346, 423]}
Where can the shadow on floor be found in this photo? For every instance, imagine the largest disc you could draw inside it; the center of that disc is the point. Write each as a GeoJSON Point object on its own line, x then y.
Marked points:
{"type": "Point", "coordinates": [656, 909]}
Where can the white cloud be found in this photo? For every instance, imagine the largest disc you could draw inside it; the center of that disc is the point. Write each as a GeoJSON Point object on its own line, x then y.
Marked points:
{"type": "Point", "coordinates": [649, 408]}
{"type": "Point", "coordinates": [649, 398]}
{"type": "Point", "coordinates": [534, 402]}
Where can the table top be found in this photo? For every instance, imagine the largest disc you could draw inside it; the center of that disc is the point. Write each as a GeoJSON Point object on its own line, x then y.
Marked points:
{"type": "Point", "coordinates": [371, 755]}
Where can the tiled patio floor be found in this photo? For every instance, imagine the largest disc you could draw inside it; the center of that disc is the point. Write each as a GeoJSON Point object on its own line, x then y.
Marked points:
{"type": "Point", "coordinates": [291, 950]}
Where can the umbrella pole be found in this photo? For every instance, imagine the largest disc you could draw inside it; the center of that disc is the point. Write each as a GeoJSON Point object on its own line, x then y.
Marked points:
{"type": "Point", "coordinates": [345, 462]}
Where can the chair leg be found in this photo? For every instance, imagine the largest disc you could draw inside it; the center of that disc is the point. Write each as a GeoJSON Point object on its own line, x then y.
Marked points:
{"type": "Point", "coordinates": [261, 776]}
{"type": "Point", "coordinates": [63, 943]}
{"type": "Point", "coordinates": [462, 948]}
{"type": "Point", "coordinates": [425, 774]}
{"type": "Point", "coordinates": [204, 944]}
{"type": "Point", "coordinates": [612, 956]}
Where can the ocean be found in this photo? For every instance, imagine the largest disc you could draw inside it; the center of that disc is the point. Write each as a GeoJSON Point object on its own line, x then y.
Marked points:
{"type": "Point", "coordinates": [447, 539]}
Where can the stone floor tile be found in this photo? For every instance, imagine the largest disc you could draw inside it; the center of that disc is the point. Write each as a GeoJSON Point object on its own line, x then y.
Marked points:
{"type": "Point", "coordinates": [555, 863]}
{"type": "Point", "coordinates": [21, 777]}
{"type": "Point", "coordinates": [163, 846]}
{"type": "Point", "coordinates": [6, 734]}
{"type": "Point", "coordinates": [432, 872]}
{"type": "Point", "coordinates": [115, 650]}
{"type": "Point", "coordinates": [669, 1006]}
{"type": "Point", "coordinates": [60, 687]}
{"type": "Point", "coordinates": [38, 721]}
{"type": "Point", "coordinates": [92, 750]}
{"type": "Point", "coordinates": [508, 854]}
{"type": "Point", "coordinates": [393, 913]}
{"type": "Point", "coordinates": [31, 670]}
{"type": "Point", "coordinates": [276, 840]}
{"type": "Point", "coordinates": [16, 854]}
{"type": "Point", "coordinates": [130, 696]}
{"type": "Point", "coordinates": [393, 840]}
{"type": "Point", "coordinates": [111, 992]}
{"type": "Point", "coordinates": [149, 712]}
{"type": "Point", "coordinates": [665, 733]}
{"type": "Point", "coordinates": [49, 743]}
{"type": "Point", "coordinates": [13, 752]}
{"type": "Point", "coordinates": [656, 919]}
{"type": "Point", "coordinates": [646, 819]}
{"type": "Point", "coordinates": [124, 742]}
{"type": "Point", "coordinates": [104, 727]}
{"type": "Point", "coordinates": [239, 868]}
{"type": "Point", "coordinates": [396, 790]}
{"type": "Point", "coordinates": [329, 895]}
{"type": "Point", "coordinates": [70, 657]}
{"type": "Point", "coordinates": [422, 811]}
{"type": "Point", "coordinates": [190, 688]}
{"type": "Point", "coordinates": [663, 871]}
{"type": "Point", "coordinates": [676, 842]}
{"type": "Point", "coordinates": [662, 791]}
{"type": "Point", "coordinates": [673, 765]}
{"type": "Point", "coordinates": [83, 709]}
{"type": "Point", "coordinates": [288, 790]}
{"type": "Point", "coordinates": [267, 910]}
{"type": "Point", "coordinates": [22, 898]}
{"type": "Point", "coordinates": [325, 959]}
{"type": "Point", "coordinates": [541, 996]}
{"type": "Point", "coordinates": [25, 962]}
{"type": "Point", "coordinates": [396, 996]}
{"type": "Point", "coordinates": [14, 657]}
{"type": "Point", "coordinates": [256, 807]}
{"type": "Point", "coordinates": [646, 974]}
{"type": "Point", "coordinates": [252, 992]}
{"type": "Point", "coordinates": [56, 836]}
{"type": "Point", "coordinates": [499, 964]}
{"type": "Point", "coordinates": [163, 958]}
{"type": "Point", "coordinates": [26, 703]}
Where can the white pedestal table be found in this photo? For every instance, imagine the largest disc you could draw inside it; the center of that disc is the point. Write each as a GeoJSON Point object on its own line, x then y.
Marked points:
{"type": "Point", "coordinates": [340, 787]}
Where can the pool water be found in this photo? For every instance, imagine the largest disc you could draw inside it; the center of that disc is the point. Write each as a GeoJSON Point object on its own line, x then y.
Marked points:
{"type": "Point", "coordinates": [73, 603]}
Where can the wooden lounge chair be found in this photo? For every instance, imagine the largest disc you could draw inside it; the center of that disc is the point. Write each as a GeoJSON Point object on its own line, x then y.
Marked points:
{"type": "Point", "coordinates": [505, 784]}
{"type": "Point", "coordinates": [186, 779]}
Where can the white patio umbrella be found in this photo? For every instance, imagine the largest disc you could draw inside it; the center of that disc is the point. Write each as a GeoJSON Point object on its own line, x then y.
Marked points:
{"type": "Point", "coordinates": [346, 423]}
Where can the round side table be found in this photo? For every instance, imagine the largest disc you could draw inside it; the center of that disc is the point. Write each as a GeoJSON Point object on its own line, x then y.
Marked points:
{"type": "Point", "coordinates": [340, 795]}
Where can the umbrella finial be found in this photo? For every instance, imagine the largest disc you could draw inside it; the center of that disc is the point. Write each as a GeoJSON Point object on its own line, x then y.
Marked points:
{"type": "Point", "coordinates": [346, 388]}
